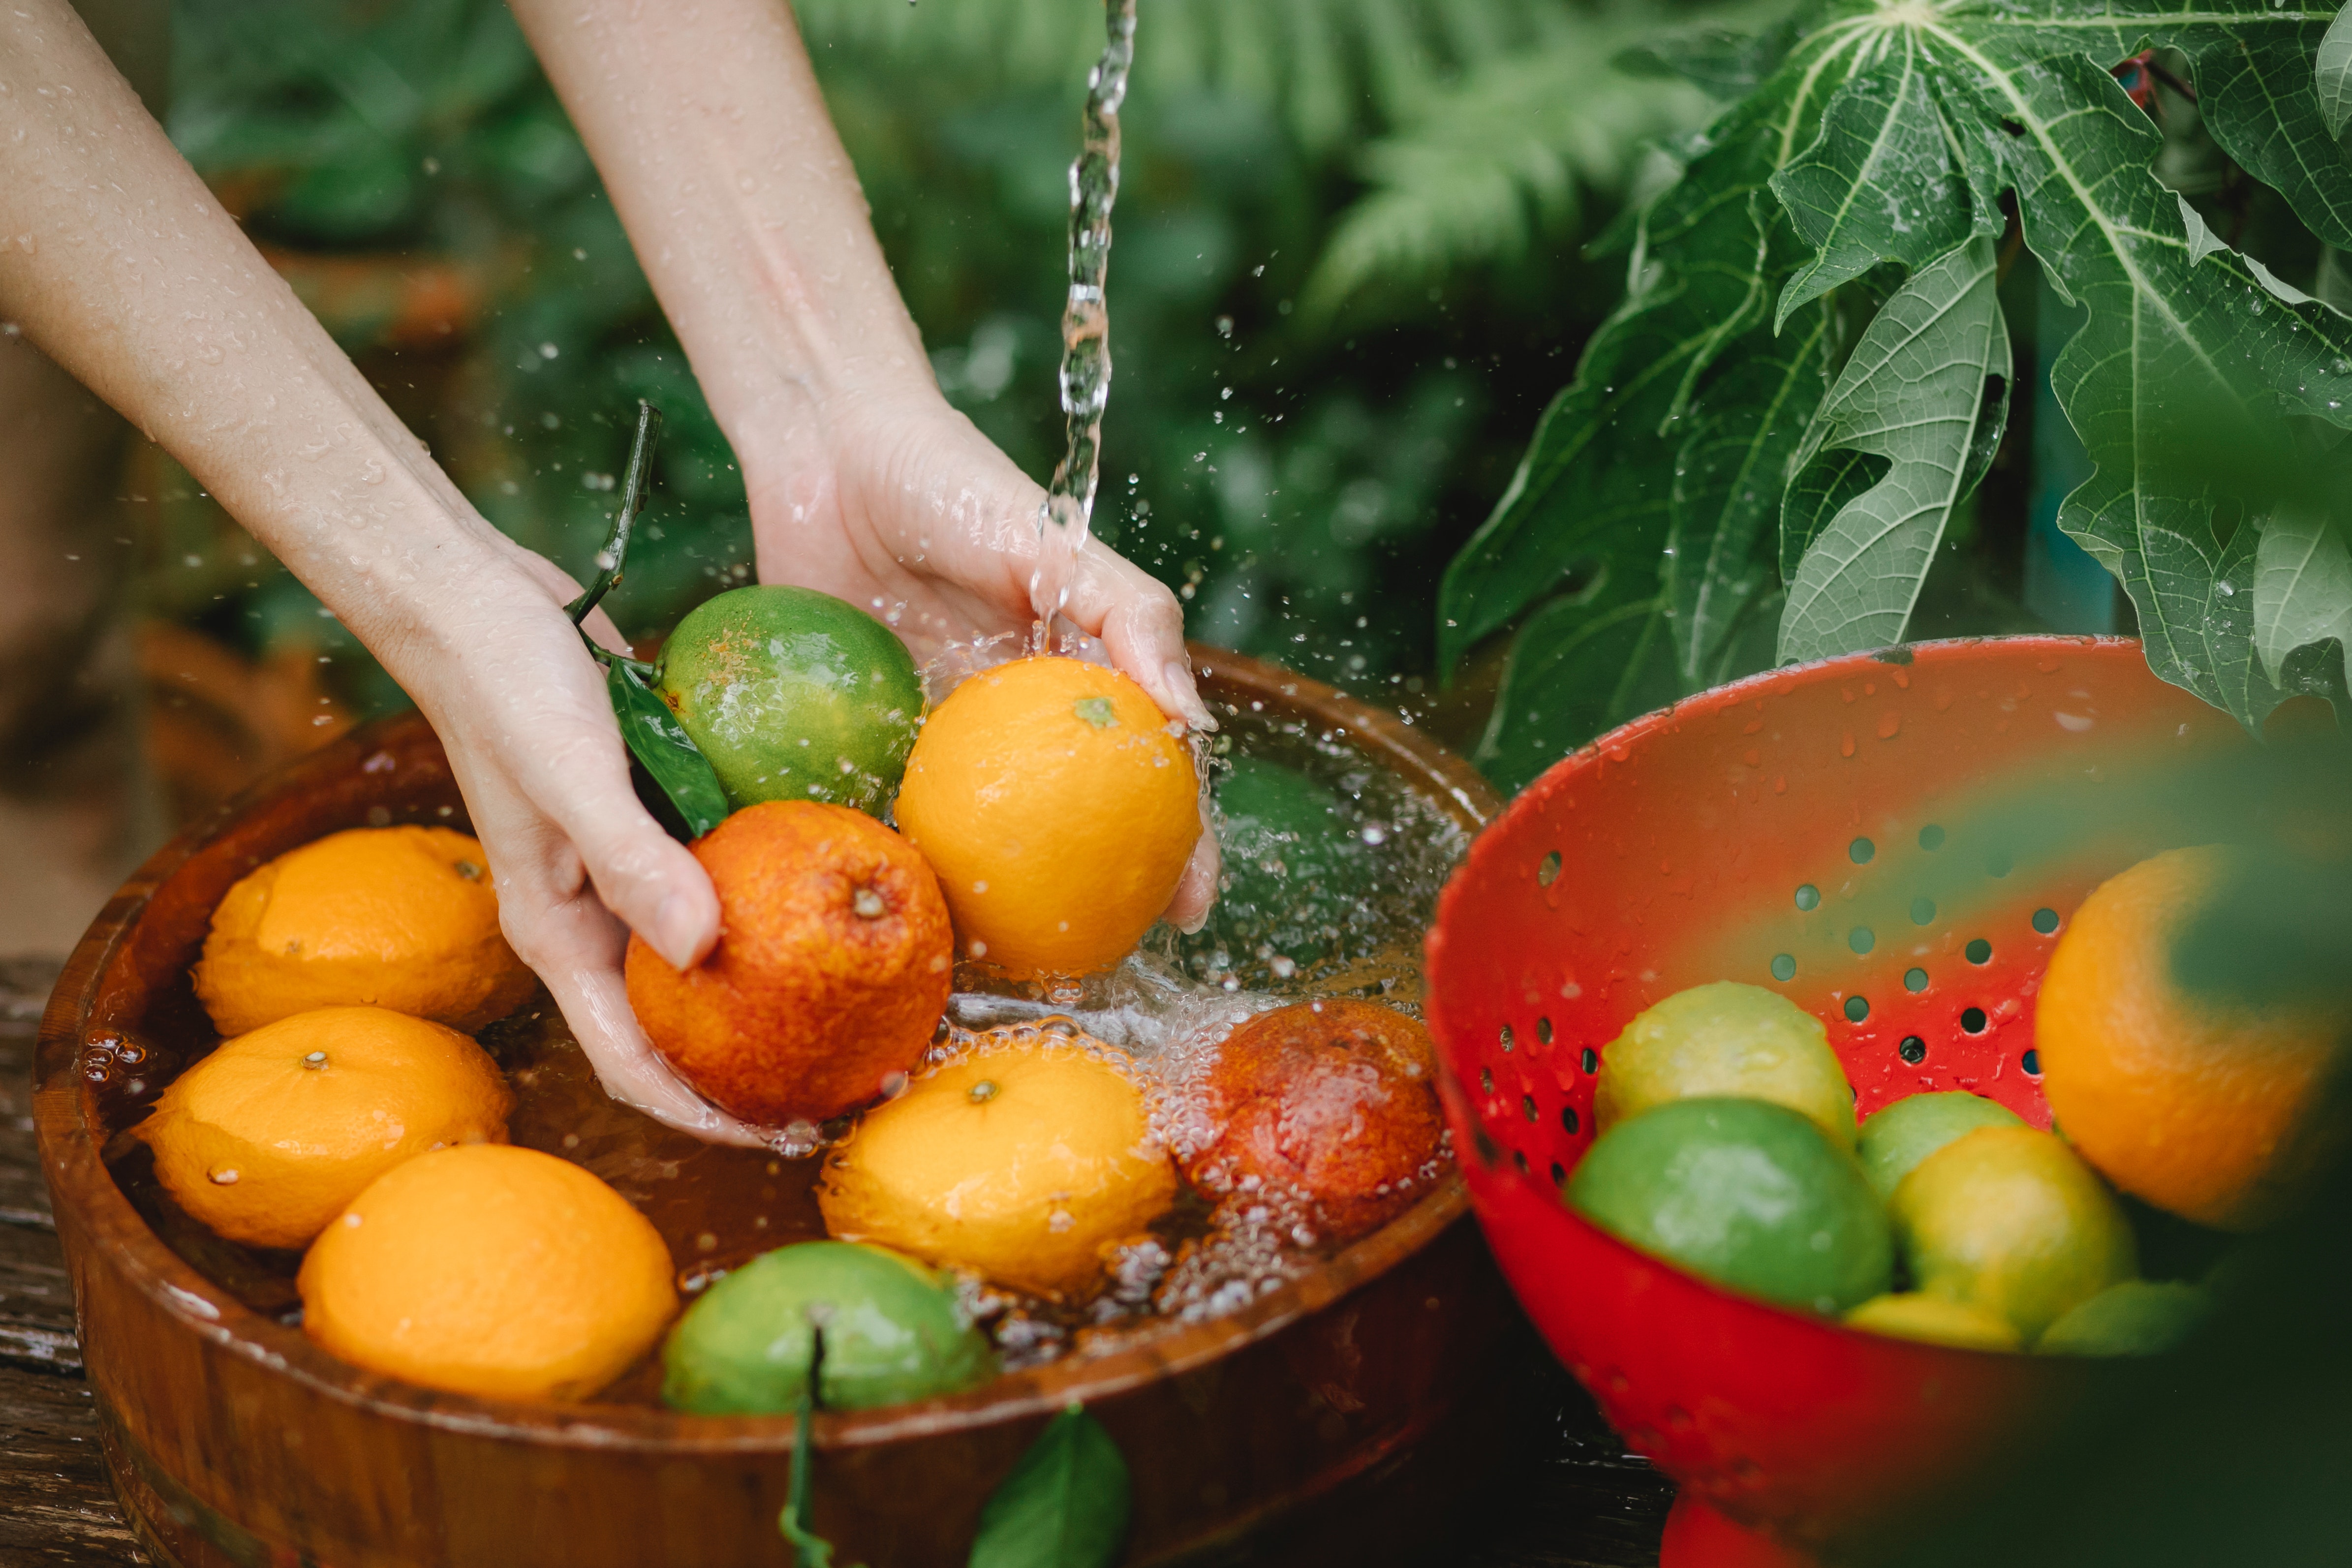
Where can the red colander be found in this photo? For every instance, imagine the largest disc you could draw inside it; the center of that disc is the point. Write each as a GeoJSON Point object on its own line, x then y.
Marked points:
{"type": "Point", "coordinates": [1895, 843]}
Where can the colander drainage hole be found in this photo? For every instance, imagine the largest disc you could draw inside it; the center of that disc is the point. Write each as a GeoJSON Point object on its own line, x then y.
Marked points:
{"type": "Point", "coordinates": [1567, 1122]}
{"type": "Point", "coordinates": [1979, 951]}
{"type": "Point", "coordinates": [1808, 897]}
{"type": "Point", "coordinates": [1543, 1030]}
{"type": "Point", "coordinates": [2045, 921]}
{"type": "Point", "coordinates": [1506, 1037]}
{"type": "Point", "coordinates": [1784, 965]}
{"type": "Point", "coordinates": [1558, 1174]}
{"type": "Point", "coordinates": [1913, 1050]}
{"type": "Point", "coordinates": [1528, 1104]}
{"type": "Point", "coordinates": [1519, 1159]}
{"type": "Point", "coordinates": [1590, 1062]}
{"type": "Point", "coordinates": [2032, 1062]}
{"type": "Point", "coordinates": [1486, 1081]}
{"type": "Point", "coordinates": [1857, 1008]}
{"type": "Point", "coordinates": [1861, 850]}
{"type": "Point", "coordinates": [1923, 912]}
{"type": "Point", "coordinates": [2001, 863]}
{"type": "Point", "coordinates": [1548, 869]}
{"type": "Point", "coordinates": [1931, 837]}
{"type": "Point", "coordinates": [1915, 980]}
{"type": "Point", "coordinates": [1861, 939]}
{"type": "Point", "coordinates": [1973, 1021]}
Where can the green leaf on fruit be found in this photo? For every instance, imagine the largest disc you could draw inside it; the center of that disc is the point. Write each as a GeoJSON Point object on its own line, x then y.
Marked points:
{"type": "Point", "coordinates": [662, 747]}
{"type": "Point", "coordinates": [1065, 1505]}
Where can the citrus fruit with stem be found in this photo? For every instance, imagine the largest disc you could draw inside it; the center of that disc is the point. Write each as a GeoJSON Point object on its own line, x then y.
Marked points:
{"type": "Point", "coordinates": [1331, 1104]}
{"type": "Point", "coordinates": [1895, 1140]}
{"type": "Point", "coordinates": [1725, 1039]}
{"type": "Point", "coordinates": [1746, 1192]}
{"type": "Point", "coordinates": [404, 917]}
{"type": "Point", "coordinates": [833, 963]}
{"type": "Point", "coordinates": [2008, 1220]}
{"type": "Point", "coordinates": [490, 1270]}
{"type": "Point", "coordinates": [793, 694]}
{"type": "Point", "coordinates": [1059, 806]}
{"type": "Point", "coordinates": [1022, 1160]}
{"type": "Point", "coordinates": [893, 1332]}
{"type": "Point", "coordinates": [270, 1137]}
{"type": "Point", "coordinates": [2200, 1105]}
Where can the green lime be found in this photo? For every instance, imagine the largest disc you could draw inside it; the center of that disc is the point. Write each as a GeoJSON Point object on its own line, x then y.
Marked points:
{"type": "Point", "coordinates": [794, 695]}
{"type": "Point", "coordinates": [1931, 1318]}
{"type": "Point", "coordinates": [893, 1332]}
{"type": "Point", "coordinates": [1725, 1038]}
{"type": "Point", "coordinates": [1896, 1139]}
{"type": "Point", "coordinates": [1745, 1192]}
{"type": "Point", "coordinates": [2011, 1221]}
{"type": "Point", "coordinates": [2138, 1317]}
{"type": "Point", "coordinates": [1295, 883]}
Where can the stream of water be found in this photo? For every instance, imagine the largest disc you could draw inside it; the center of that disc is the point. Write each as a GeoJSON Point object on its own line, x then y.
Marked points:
{"type": "Point", "coordinates": [1068, 513]}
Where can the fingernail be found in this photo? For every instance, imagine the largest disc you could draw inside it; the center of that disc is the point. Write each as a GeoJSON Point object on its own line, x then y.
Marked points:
{"type": "Point", "coordinates": [674, 936]}
{"type": "Point", "coordinates": [1178, 679]}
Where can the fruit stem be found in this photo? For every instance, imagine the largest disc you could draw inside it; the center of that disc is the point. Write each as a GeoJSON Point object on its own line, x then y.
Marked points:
{"type": "Point", "coordinates": [633, 495]}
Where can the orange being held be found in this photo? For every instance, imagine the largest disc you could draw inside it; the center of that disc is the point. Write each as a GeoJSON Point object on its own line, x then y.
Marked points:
{"type": "Point", "coordinates": [401, 918]}
{"type": "Point", "coordinates": [268, 1138]}
{"type": "Point", "coordinates": [833, 963]}
{"type": "Point", "coordinates": [490, 1270]}
{"type": "Point", "coordinates": [1059, 806]}
{"type": "Point", "coordinates": [2197, 1104]}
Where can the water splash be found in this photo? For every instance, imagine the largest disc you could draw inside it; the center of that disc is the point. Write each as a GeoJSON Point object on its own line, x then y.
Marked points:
{"type": "Point", "coordinates": [1064, 520]}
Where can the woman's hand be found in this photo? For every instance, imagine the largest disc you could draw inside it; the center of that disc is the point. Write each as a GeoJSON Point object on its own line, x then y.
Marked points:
{"type": "Point", "coordinates": [898, 504]}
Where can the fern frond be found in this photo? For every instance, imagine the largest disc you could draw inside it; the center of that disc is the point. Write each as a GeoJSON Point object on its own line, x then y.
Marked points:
{"type": "Point", "coordinates": [1492, 160]}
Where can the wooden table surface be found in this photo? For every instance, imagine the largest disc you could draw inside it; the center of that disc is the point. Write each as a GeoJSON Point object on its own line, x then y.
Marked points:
{"type": "Point", "coordinates": [1579, 1501]}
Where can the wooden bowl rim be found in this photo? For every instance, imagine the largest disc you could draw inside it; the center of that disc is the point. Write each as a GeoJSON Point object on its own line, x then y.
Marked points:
{"type": "Point", "coordinates": [81, 1183]}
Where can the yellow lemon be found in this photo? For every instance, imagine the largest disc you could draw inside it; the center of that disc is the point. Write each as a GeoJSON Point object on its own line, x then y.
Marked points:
{"type": "Point", "coordinates": [1726, 1039]}
{"type": "Point", "coordinates": [272, 1135]}
{"type": "Point", "coordinates": [1021, 1161]}
{"type": "Point", "coordinates": [491, 1270]}
{"type": "Point", "coordinates": [1910, 1316]}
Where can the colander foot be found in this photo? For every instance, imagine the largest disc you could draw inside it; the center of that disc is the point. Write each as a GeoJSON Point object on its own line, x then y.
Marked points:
{"type": "Point", "coordinates": [1698, 1537]}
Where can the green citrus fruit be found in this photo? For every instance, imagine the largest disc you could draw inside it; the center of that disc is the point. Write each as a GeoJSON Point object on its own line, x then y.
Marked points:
{"type": "Point", "coordinates": [1747, 1194]}
{"type": "Point", "coordinates": [1896, 1139]}
{"type": "Point", "coordinates": [893, 1332]}
{"type": "Point", "coordinates": [1296, 884]}
{"type": "Point", "coordinates": [794, 695]}
{"type": "Point", "coordinates": [1931, 1318]}
{"type": "Point", "coordinates": [2011, 1221]}
{"type": "Point", "coordinates": [1725, 1038]}
{"type": "Point", "coordinates": [2138, 1317]}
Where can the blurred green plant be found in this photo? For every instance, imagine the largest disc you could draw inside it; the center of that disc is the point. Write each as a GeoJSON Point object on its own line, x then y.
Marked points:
{"type": "Point", "coordinates": [1343, 276]}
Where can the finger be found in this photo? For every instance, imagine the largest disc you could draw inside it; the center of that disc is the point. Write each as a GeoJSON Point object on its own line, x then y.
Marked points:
{"type": "Point", "coordinates": [595, 1003]}
{"type": "Point", "coordinates": [643, 875]}
{"type": "Point", "coordinates": [1141, 626]}
{"type": "Point", "coordinates": [1196, 890]}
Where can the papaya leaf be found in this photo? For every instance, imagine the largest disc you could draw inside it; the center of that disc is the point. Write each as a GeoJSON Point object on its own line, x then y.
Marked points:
{"type": "Point", "coordinates": [1065, 1505]}
{"type": "Point", "coordinates": [2302, 589]}
{"type": "Point", "coordinates": [661, 746]}
{"type": "Point", "coordinates": [2332, 72]}
{"type": "Point", "coordinates": [1579, 667]}
{"type": "Point", "coordinates": [1912, 394]}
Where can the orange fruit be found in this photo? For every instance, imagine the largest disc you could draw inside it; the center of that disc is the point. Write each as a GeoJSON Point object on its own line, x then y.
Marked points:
{"type": "Point", "coordinates": [490, 1270]}
{"type": "Point", "coordinates": [1331, 1104]}
{"type": "Point", "coordinates": [833, 963]}
{"type": "Point", "coordinates": [1058, 805]}
{"type": "Point", "coordinates": [403, 918]}
{"type": "Point", "coordinates": [2197, 1107]}
{"type": "Point", "coordinates": [1023, 1161]}
{"type": "Point", "coordinates": [268, 1138]}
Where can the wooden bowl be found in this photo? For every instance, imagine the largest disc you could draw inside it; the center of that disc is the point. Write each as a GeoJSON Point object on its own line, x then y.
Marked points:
{"type": "Point", "coordinates": [234, 1440]}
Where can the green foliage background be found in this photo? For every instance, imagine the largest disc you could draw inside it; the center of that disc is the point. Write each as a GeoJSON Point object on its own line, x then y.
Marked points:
{"type": "Point", "coordinates": [1345, 272]}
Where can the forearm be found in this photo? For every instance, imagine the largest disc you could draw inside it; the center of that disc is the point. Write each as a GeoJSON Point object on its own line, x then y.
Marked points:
{"type": "Point", "coordinates": [722, 161]}
{"type": "Point", "coordinates": [115, 261]}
